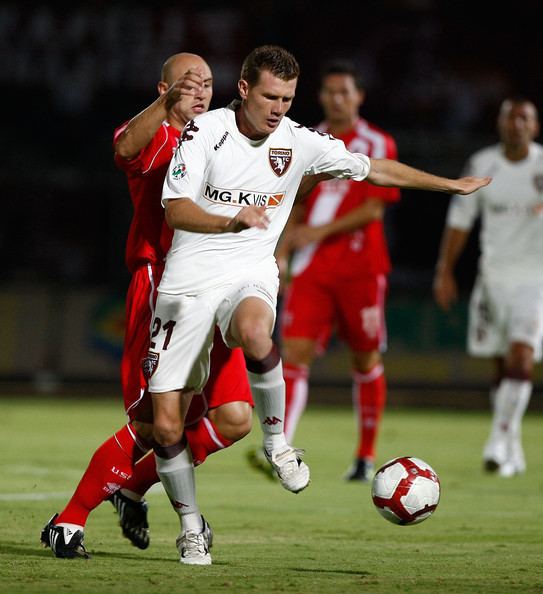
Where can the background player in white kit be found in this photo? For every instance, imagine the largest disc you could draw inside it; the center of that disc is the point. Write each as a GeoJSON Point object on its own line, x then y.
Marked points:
{"type": "Point", "coordinates": [228, 194]}
{"type": "Point", "coordinates": [506, 308]}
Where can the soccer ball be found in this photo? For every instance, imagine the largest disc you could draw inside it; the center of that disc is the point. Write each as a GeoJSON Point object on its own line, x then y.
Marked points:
{"type": "Point", "coordinates": [405, 491]}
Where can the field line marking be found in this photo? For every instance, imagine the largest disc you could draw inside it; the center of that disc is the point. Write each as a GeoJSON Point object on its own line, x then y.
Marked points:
{"type": "Point", "coordinates": [33, 496]}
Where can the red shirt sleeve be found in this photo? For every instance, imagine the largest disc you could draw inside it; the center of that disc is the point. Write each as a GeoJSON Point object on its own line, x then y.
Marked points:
{"type": "Point", "coordinates": [156, 154]}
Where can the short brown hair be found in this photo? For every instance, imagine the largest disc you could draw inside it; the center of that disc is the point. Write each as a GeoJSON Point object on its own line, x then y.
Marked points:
{"type": "Point", "coordinates": [273, 58]}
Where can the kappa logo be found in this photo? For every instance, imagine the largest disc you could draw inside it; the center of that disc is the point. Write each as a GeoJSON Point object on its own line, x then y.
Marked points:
{"type": "Point", "coordinates": [271, 421]}
{"type": "Point", "coordinates": [243, 197]}
{"type": "Point", "coordinates": [221, 141]}
{"type": "Point", "coordinates": [150, 364]}
{"type": "Point", "coordinates": [280, 160]}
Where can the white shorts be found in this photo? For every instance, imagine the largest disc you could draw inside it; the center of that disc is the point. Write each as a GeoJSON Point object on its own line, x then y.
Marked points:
{"type": "Point", "coordinates": [183, 328]}
{"type": "Point", "coordinates": [500, 314]}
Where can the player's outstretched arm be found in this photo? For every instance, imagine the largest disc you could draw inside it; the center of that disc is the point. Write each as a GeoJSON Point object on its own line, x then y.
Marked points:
{"type": "Point", "coordinates": [385, 172]}
{"type": "Point", "coordinates": [185, 215]}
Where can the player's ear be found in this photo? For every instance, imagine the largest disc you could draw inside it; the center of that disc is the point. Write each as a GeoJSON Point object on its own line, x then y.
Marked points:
{"type": "Point", "coordinates": [243, 88]}
{"type": "Point", "coordinates": [162, 87]}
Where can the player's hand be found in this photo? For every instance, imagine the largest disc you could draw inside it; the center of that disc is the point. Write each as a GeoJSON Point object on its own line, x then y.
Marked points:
{"type": "Point", "coordinates": [249, 216]}
{"type": "Point", "coordinates": [445, 289]}
{"type": "Point", "coordinates": [188, 84]}
{"type": "Point", "coordinates": [467, 185]}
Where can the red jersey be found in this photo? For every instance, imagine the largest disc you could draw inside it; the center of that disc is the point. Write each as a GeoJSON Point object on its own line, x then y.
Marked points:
{"type": "Point", "coordinates": [362, 250]}
{"type": "Point", "coordinates": [149, 238]}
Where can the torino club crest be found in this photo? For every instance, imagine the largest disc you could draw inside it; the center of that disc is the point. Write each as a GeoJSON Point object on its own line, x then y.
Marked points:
{"type": "Point", "coordinates": [280, 160]}
{"type": "Point", "coordinates": [150, 363]}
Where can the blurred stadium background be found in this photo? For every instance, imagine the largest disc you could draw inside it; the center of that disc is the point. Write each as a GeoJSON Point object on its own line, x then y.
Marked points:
{"type": "Point", "coordinates": [435, 72]}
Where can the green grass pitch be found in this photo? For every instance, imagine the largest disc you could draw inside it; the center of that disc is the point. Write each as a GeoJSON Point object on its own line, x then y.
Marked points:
{"type": "Point", "coordinates": [486, 535]}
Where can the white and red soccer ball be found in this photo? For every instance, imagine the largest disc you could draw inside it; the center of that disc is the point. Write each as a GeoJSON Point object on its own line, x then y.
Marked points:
{"type": "Point", "coordinates": [406, 491]}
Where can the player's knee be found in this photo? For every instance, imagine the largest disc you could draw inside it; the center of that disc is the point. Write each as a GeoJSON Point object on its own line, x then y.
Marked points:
{"type": "Point", "coordinates": [255, 341]}
{"type": "Point", "coordinates": [363, 362]}
{"type": "Point", "coordinates": [520, 370]}
{"type": "Point", "coordinates": [167, 432]}
{"type": "Point", "coordinates": [519, 363]}
{"type": "Point", "coordinates": [234, 420]}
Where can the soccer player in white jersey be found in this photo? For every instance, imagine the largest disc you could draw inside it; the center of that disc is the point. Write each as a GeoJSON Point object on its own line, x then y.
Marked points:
{"type": "Point", "coordinates": [506, 308]}
{"type": "Point", "coordinates": [228, 194]}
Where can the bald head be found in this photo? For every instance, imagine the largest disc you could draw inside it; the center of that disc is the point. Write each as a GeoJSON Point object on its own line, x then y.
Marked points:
{"type": "Point", "coordinates": [187, 84]}
{"type": "Point", "coordinates": [178, 64]}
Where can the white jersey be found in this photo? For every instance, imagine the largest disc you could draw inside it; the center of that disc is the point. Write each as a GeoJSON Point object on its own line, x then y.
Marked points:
{"type": "Point", "coordinates": [222, 171]}
{"type": "Point", "coordinates": [511, 231]}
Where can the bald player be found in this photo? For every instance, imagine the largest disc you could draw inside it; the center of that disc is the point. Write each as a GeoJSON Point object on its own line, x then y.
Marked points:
{"type": "Point", "coordinates": [217, 418]}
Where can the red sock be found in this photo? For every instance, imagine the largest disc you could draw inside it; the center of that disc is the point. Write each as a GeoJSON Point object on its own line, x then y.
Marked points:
{"type": "Point", "coordinates": [108, 470]}
{"type": "Point", "coordinates": [204, 439]}
{"type": "Point", "coordinates": [369, 395]}
{"type": "Point", "coordinates": [296, 380]}
{"type": "Point", "coordinates": [144, 476]}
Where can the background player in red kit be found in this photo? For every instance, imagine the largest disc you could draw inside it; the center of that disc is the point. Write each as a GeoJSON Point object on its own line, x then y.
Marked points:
{"type": "Point", "coordinates": [339, 269]}
{"type": "Point", "coordinates": [143, 149]}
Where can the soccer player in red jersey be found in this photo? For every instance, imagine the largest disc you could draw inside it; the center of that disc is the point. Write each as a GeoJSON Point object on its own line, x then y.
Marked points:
{"type": "Point", "coordinates": [339, 269]}
{"type": "Point", "coordinates": [218, 417]}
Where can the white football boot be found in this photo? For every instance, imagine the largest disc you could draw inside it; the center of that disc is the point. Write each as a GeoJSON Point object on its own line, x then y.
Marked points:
{"type": "Point", "coordinates": [495, 452]}
{"type": "Point", "coordinates": [515, 462]}
{"type": "Point", "coordinates": [194, 546]}
{"type": "Point", "coordinates": [293, 473]}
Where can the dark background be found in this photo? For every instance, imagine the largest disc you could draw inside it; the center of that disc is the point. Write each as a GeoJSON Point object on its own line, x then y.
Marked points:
{"type": "Point", "coordinates": [435, 73]}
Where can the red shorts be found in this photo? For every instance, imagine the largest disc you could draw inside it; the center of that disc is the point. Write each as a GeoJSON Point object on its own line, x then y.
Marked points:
{"type": "Point", "coordinates": [228, 375]}
{"type": "Point", "coordinates": [314, 307]}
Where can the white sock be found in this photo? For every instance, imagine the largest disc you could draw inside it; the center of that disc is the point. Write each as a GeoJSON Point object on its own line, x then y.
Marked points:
{"type": "Point", "coordinates": [177, 476]}
{"type": "Point", "coordinates": [510, 402]}
{"type": "Point", "coordinates": [521, 392]}
{"type": "Point", "coordinates": [268, 391]}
